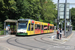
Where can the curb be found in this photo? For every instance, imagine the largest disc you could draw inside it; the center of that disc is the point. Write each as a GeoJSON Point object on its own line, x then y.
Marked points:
{"type": "Point", "coordinates": [63, 40]}
{"type": "Point", "coordinates": [70, 35]}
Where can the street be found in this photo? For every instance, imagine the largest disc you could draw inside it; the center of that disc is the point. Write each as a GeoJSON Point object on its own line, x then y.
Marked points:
{"type": "Point", "coordinates": [36, 42]}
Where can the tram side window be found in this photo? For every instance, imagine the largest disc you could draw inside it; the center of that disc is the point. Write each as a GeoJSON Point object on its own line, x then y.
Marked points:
{"type": "Point", "coordinates": [37, 26]}
{"type": "Point", "coordinates": [50, 27]}
{"type": "Point", "coordinates": [45, 27]}
{"type": "Point", "coordinates": [29, 28]}
{"type": "Point", "coordinates": [32, 25]}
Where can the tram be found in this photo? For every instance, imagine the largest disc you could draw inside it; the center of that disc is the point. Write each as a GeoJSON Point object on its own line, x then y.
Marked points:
{"type": "Point", "coordinates": [31, 27]}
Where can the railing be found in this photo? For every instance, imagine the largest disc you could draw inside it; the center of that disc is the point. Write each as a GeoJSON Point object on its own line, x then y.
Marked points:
{"type": "Point", "coordinates": [69, 31]}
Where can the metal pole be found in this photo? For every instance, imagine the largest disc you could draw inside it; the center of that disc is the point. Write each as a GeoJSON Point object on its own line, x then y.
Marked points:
{"type": "Point", "coordinates": [62, 25]}
{"type": "Point", "coordinates": [58, 16]}
{"type": "Point", "coordinates": [16, 27]}
{"type": "Point", "coordinates": [70, 16]}
{"type": "Point", "coordinates": [65, 17]}
{"type": "Point", "coordinates": [4, 28]}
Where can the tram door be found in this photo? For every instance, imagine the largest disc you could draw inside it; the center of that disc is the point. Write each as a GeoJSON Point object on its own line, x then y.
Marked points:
{"type": "Point", "coordinates": [29, 29]}
{"type": "Point", "coordinates": [32, 28]}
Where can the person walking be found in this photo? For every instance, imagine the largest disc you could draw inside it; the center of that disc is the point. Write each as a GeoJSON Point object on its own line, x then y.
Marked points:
{"type": "Point", "coordinates": [58, 32]}
{"type": "Point", "coordinates": [7, 29]}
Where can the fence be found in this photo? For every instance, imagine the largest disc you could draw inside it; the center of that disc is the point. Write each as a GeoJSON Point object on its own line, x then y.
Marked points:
{"type": "Point", "coordinates": [69, 31]}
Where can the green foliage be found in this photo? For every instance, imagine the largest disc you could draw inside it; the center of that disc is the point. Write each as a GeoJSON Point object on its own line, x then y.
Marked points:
{"type": "Point", "coordinates": [73, 17]}
{"type": "Point", "coordinates": [42, 10]}
{"type": "Point", "coordinates": [8, 8]}
{"type": "Point", "coordinates": [1, 26]}
{"type": "Point", "coordinates": [1, 32]}
{"type": "Point", "coordinates": [48, 11]}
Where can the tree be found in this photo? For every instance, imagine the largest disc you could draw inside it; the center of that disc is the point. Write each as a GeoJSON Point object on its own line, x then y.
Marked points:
{"type": "Point", "coordinates": [1, 26]}
{"type": "Point", "coordinates": [73, 17]}
{"type": "Point", "coordinates": [28, 8]}
{"type": "Point", "coordinates": [48, 11]}
{"type": "Point", "coordinates": [8, 9]}
{"type": "Point", "coordinates": [42, 10]}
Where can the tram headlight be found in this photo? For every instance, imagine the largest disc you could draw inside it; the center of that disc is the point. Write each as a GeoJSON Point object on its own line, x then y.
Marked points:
{"type": "Point", "coordinates": [17, 32]}
{"type": "Point", "coordinates": [24, 31]}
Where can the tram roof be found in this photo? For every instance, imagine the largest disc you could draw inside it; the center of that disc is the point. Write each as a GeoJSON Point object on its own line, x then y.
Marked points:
{"type": "Point", "coordinates": [10, 20]}
{"type": "Point", "coordinates": [24, 19]}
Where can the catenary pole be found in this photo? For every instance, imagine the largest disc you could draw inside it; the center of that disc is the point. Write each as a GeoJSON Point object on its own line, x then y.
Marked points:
{"type": "Point", "coordinates": [65, 18]}
{"type": "Point", "coordinates": [58, 16]}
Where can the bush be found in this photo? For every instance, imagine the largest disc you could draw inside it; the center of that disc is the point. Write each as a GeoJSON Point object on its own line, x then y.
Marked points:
{"type": "Point", "coordinates": [73, 27]}
{"type": "Point", "coordinates": [1, 25]}
{"type": "Point", "coordinates": [2, 32]}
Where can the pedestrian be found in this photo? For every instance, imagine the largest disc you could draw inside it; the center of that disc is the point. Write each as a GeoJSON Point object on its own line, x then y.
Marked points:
{"type": "Point", "coordinates": [7, 29]}
{"type": "Point", "coordinates": [58, 32]}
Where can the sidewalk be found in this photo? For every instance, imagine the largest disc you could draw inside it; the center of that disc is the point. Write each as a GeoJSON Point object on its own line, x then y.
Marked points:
{"type": "Point", "coordinates": [54, 39]}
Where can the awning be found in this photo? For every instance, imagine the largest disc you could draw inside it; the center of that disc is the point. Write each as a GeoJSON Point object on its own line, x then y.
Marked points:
{"type": "Point", "coordinates": [10, 20]}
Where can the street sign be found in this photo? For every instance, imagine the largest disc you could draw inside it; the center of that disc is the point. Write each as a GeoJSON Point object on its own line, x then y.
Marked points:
{"type": "Point", "coordinates": [68, 23]}
{"type": "Point", "coordinates": [61, 10]}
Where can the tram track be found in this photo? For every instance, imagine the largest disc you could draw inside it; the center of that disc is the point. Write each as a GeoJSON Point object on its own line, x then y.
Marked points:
{"type": "Point", "coordinates": [37, 39]}
{"type": "Point", "coordinates": [21, 45]}
{"type": "Point", "coordinates": [29, 45]}
{"type": "Point", "coordinates": [41, 40]}
{"type": "Point", "coordinates": [46, 42]}
{"type": "Point", "coordinates": [16, 44]}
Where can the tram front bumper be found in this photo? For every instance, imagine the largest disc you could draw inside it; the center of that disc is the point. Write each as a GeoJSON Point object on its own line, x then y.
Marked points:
{"type": "Point", "coordinates": [22, 34]}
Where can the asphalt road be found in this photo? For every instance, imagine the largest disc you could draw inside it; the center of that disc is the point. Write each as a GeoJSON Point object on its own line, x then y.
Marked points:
{"type": "Point", "coordinates": [36, 42]}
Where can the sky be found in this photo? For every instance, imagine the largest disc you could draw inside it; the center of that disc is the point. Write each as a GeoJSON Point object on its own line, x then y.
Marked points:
{"type": "Point", "coordinates": [68, 1]}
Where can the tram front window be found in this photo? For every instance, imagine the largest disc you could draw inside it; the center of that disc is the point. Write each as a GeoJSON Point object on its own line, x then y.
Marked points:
{"type": "Point", "coordinates": [22, 25]}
